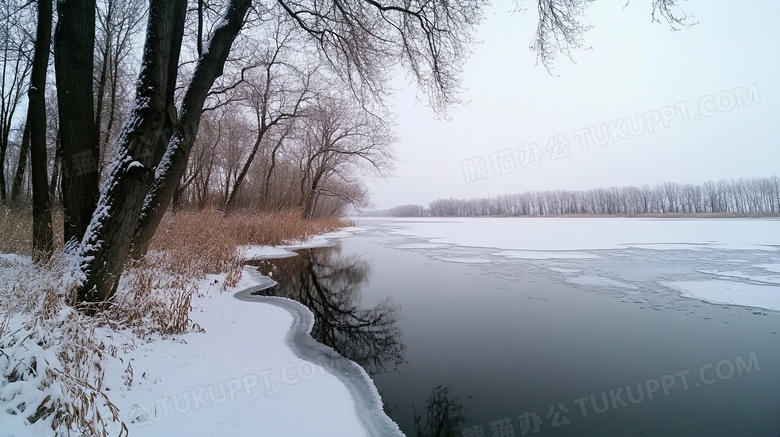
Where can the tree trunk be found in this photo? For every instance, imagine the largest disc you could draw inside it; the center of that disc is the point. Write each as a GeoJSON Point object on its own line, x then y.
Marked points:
{"type": "Point", "coordinates": [174, 163]}
{"type": "Point", "coordinates": [313, 195]}
{"type": "Point", "coordinates": [2, 171]}
{"type": "Point", "coordinates": [55, 172]}
{"type": "Point", "coordinates": [21, 167]}
{"type": "Point", "coordinates": [178, 196]}
{"type": "Point", "coordinates": [111, 113]}
{"type": "Point", "coordinates": [36, 116]}
{"type": "Point", "coordinates": [203, 193]}
{"type": "Point", "coordinates": [12, 78]}
{"type": "Point", "coordinates": [270, 172]}
{"type": "Point", "coordinates": [144, 136]}
{"type": "Point", "coordinates": [244, 170]}
{"type": "Point", "coordinates": [74, 42]}
{"type": "Point", "coordinates": [105, 53]}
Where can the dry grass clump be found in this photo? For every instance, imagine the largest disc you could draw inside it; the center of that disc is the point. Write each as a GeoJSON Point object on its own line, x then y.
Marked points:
{"type": "Point", "coordinates": [152, 300]}
{"type": "Point", "coordinates": [51, 361]}
{"type": "Point", "coordinates": [156, 292]}
{"type": "Point", "coordinates": [279, 228]}
{"type": "Point", "coordinates": [16, 230]}
{"type": "Point", "coordinates": [208, 241]}
{"type": "Point", "coordinates": [195, 243]}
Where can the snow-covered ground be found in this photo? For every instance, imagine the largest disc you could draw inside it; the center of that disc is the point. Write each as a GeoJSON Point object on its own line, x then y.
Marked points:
{"type": "Point", "coordinates": [250, 372]}
{"type": "Point", "coordinates": [743, 249]}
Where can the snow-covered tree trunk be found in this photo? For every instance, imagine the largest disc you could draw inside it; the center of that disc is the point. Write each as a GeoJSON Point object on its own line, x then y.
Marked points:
{"type": "Point", "coordinates": [153, 148]}
{"type": "Point", "coordinates": [174, 163]}
{"type": "Point", "coordinates": [142, 141]}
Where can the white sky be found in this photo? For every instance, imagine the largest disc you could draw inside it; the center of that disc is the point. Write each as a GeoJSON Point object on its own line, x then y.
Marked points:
{"type": "Point", "coordinates": [635, 66]}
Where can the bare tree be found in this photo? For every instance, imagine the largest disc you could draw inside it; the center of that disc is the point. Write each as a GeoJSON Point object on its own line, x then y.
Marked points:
{"type": "Point", "coordinates": [757, 196]}
{"type": "Point", "coordinates": [21, 166]}
{"type": "Point", "coordinates": [559, 29]}
{"type": "Point", "coordinates": [55, 145]}
{"type": "Point", "coordinates": [407, 211]}
{"type": "Point", "coordinates": [15, 64]}
{"type": "Point", "coordinates": [36, 116]}
{"type": "Point", "coordinates": [118, 22]}
{"type": "Point", "coordinates": [201, 166]}
{"type": "Point", "coordinates": [235, 139]}
{"type": "Point", "coordinates": [173, 165]}
{"type": "Point", "coordinates": [361, 40]}
{"type": "Point", "coordinates": [336, 136]}
{"type": "Point", "coordinates": [275, 93]}
{"type": "Point", "coordinates": [337, 196]}
{"type": "Point", "coordinates": [273, 155]}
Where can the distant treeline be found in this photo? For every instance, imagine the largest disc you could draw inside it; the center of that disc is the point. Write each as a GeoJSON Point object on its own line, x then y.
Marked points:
{"type": "Point", "coordinates": [756, 196]}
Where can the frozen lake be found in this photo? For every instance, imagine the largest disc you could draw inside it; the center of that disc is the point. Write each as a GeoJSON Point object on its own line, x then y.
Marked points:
{"type": "Point", "coordinates": [561, 326]}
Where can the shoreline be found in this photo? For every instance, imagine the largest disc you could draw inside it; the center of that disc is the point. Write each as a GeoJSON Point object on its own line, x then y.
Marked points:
{"type": "Point", "coordinates": [680, 215]}
{"type": "Point", "coordinates": [350, 374]}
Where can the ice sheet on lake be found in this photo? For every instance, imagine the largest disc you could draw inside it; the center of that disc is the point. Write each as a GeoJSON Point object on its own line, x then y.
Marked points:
{"type": "Point", "coordinates": [679, 246]}
{"type": "Point", "coordinates": [547, 234]}
{"type": "Point", "coordinates": [538, 254]}
{"type": "Point", "coordinates": [770, 267]}
{"type": "Point", "coordinates": [462, 260]}
{"type": "Point", "coordinates": [666, 246]}
{"type": "Point", "coordinates": [599, 281]}
{"type": "Point", "coordinates": [739, 275]}
{"type": "Point", "coordinates": [414, 246]}
{"type": "Point", "coordinates": [562, 270]}
{"type": "Point", "coordinates": [719, 291]}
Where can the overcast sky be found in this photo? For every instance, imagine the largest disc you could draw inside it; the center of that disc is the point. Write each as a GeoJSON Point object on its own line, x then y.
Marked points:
{"type": "Point", "coordinates": [704, 103]}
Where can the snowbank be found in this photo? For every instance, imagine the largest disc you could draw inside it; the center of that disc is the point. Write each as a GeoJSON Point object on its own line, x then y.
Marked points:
{"type": "Point", "coordinates": [243, 376]}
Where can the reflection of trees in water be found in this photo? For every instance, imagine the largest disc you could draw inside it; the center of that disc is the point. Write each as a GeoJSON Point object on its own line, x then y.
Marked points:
{"type": "Point", "coordinates": [444, 415]}
{"type": "Point", "coordinates": [329, 285]}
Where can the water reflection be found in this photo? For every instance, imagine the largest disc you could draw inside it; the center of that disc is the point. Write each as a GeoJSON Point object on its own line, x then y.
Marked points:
{"type": "Point", "coordinates": [328, 283]}
{"type": "Point", "coordinates": [444, 415]}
